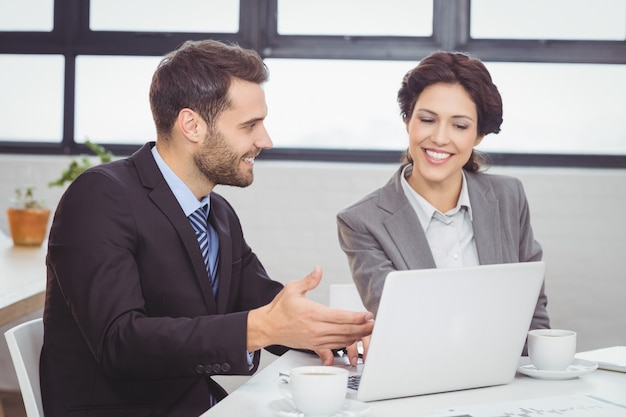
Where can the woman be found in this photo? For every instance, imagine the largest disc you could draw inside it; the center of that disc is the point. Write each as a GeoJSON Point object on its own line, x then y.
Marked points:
{"type": "Point", "coordinates": [439, 209]}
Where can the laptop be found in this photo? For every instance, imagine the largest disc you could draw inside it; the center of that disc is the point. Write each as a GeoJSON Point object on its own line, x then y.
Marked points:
{"type": "Point", "coordinates": [449, 329]}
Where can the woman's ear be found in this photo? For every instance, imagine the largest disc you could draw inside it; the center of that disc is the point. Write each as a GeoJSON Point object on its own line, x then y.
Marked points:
{"type": "Point", "coordinates": [405, 120]}
{"type": "Point", "coordinates": [478, 140]}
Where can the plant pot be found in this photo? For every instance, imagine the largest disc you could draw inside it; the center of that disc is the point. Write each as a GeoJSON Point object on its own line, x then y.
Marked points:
{"type": "Point", "coordinates": [28, 226]}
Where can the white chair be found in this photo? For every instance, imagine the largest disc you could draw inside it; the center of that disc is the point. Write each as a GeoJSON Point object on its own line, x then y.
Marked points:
{"type": "Point", "coordinates": [345, 296]}
{"type": "Point", "coordinates": [25, 341]}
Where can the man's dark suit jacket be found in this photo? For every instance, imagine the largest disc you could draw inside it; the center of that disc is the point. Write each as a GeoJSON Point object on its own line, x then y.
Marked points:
{"type": "Point", "coordinates": [131, 325]}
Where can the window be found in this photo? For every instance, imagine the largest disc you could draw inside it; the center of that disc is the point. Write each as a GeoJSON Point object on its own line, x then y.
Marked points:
{"type": "Point", "coordinates": [560, 108]}
{"type": "Point", "coordinates": [345, 104]}
{"type": "Point", "coordinates": [336, 66]}
{"type": "Point", "coordinates": [355, 17]}
{"type": "Point", "coordinates": [548, 108]}
{"type": "Point", "coordinates": [554, 19]}
{"type": "Point", "coordinates": [26, 15]}
{"type": "Point", "coordinates": [31, 88]}
{"type": "Point", "coordinates": [165, 15]}
{"type": "Point", "coordinates": [112, 99]}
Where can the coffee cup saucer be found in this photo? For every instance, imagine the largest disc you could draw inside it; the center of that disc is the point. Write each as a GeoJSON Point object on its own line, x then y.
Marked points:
{"type": "Point", "coordinates": [351, 408]}
{"type": "Point", "coordinates": [577, 368]}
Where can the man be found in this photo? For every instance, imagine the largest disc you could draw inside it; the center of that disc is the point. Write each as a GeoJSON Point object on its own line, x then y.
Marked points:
{"type": "Point", "coordinates": [146, 300]}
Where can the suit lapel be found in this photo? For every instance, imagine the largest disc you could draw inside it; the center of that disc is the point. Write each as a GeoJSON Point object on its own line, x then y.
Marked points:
{"type": "Point", "coordinates": [486, 220]}
{"type": "Point", "coordinates": [164, 199]}
{"type": "Point", "coordinates": [403, 225]}
{"type": "Point", "coordinates": [405, 231]}
{"type": "Point", "coordinates": [410, 240]}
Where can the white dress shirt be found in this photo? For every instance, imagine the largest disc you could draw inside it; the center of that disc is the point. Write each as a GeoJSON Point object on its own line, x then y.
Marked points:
{"type": "Point", "coordinates": [450, 235]}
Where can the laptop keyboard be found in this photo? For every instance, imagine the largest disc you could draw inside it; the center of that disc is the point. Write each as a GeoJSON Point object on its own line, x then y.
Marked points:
{"type": "Point", "coordinates": [354, 381]}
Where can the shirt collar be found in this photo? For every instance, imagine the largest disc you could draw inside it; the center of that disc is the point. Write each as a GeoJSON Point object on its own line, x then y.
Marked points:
{"type": "Point", "coordinates": [185, 197]}
{"type": "Point", "coordinates": [425, 211]}
{"type": "Point", "coordinates": [464, 200]}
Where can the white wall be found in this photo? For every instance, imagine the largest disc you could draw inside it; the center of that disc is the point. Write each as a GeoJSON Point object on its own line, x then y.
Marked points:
{"type": "Point", "coordinates": [288, 216]}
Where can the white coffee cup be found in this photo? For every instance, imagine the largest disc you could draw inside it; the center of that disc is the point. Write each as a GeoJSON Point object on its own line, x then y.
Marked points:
{"type": "Point", "coordinates": [316, 390]}
{"type": "Point", "coordinates": [551, 349]}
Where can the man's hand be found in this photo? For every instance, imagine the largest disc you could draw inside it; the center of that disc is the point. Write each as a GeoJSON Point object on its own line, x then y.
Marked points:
{"type": "Point", "coordinates": [292, 320]}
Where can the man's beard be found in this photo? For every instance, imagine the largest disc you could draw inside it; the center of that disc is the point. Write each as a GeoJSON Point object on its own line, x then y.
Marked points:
{"type": "Point", "coordinates": [220, 165]}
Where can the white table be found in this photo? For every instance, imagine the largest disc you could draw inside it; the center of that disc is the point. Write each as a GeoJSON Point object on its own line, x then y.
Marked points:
{"type": "Point", "coordinates": [22, 279]}
{"type": "Point", "coordinates": [253, 397]}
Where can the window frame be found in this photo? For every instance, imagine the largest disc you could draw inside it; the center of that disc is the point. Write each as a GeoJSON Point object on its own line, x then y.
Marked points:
{"type": "Point", "coordinates": [71, 36]}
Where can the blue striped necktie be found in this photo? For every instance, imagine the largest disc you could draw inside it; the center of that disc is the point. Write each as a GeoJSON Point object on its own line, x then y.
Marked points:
{"type": "Point", "coordinates": [207, 239]}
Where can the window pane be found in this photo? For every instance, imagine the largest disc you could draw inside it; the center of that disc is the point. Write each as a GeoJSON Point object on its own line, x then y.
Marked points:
{"type": "Point", "coordinates": [31, 91]}
{"type": "Point", "coordinates": [560, 108]}
{"type": "Point", "coordinates": [220, 16]}
{"type": "Point", "coordinates": [26, 15]}
{"type": "Point", "coordinates": [112, 99]}
{"type": "Point", "coordinates": [553, 19]}
{"type": "Point", "coordinates": [553, 108]}
{"type": "Point", "coordinates": [335, 104]}
{"type": "Point", "coordinates": [355, 17]}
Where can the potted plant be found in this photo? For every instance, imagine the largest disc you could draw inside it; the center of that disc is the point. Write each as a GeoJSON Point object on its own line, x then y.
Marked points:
{"type": "Point", "coordinates": [77, 167]}
{"type": "Point", "coordinates": [28, 217]}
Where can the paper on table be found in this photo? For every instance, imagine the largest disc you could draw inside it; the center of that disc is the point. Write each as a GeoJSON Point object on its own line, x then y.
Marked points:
{"type": "Point", "coordinates": [569, 406]}
{"type": "Point", "coordinates": [611, 358]}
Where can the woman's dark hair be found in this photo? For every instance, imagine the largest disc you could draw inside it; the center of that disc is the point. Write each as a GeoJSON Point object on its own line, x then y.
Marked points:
{"type": "Point", "coordinates": [455, 68]}
{"type": "Point", "coordinates": [197, 76]}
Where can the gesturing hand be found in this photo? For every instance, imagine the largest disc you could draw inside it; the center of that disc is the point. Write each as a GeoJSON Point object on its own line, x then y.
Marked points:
{"type": "Point", "coordinates": [291, 319]}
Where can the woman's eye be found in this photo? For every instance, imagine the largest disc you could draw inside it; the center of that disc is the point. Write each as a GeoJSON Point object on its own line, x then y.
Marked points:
{"type": "Point", "coordinates": [461, 127]}
{"type": "Point", "coordinates": [425, 120]}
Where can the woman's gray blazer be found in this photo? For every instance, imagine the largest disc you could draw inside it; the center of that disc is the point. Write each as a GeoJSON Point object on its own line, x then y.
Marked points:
{"type": "Point", "coordinates": [381, 233]}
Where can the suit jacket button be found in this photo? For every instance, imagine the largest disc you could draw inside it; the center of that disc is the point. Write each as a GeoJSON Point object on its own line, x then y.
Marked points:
{"type": "Point", "coordinates": [208, 369]}
{"type": "Point", "coordinates": [225, 367]}
{"type": "Point", "coordinates": [199, 369]}
{"type": "Point", "coordinates": [217, 368]}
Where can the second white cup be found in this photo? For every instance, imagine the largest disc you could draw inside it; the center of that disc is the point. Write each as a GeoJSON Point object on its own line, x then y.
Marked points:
{"type": "Point", "coordinates": [551, 349]}
{"type": "Point", "coordinates": [316, 390]}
